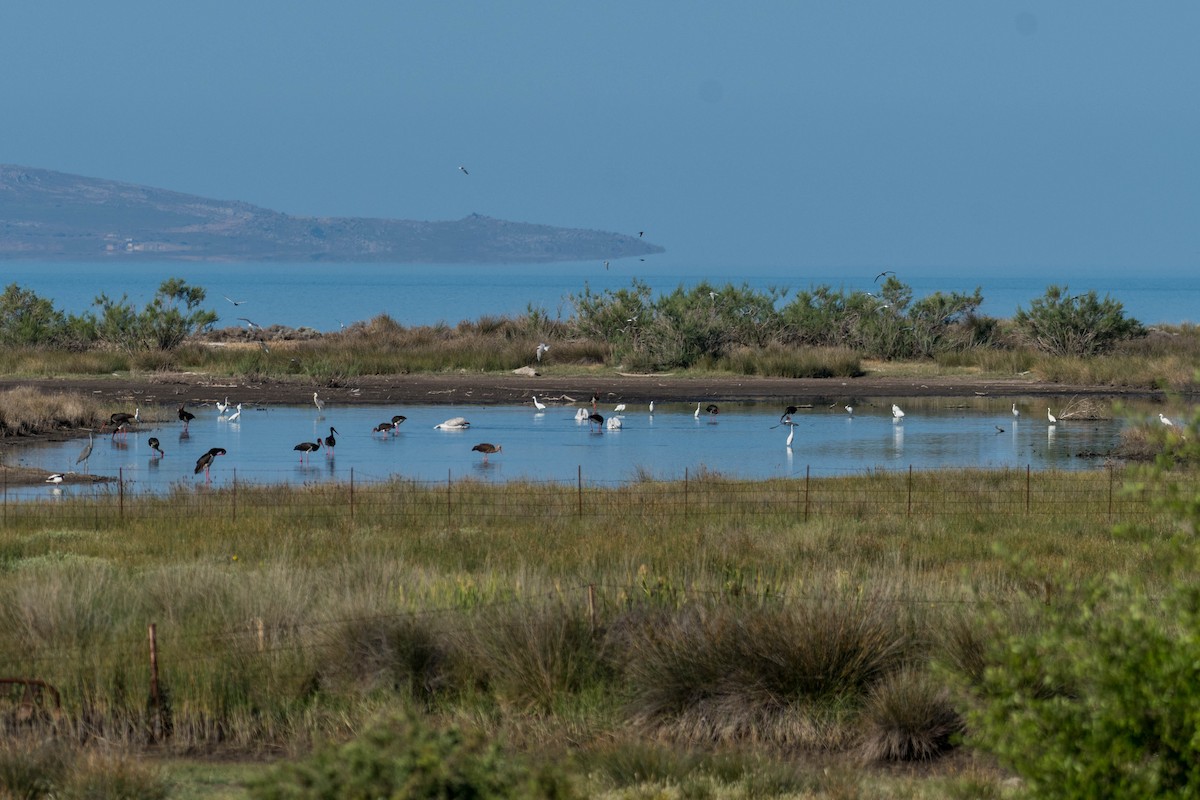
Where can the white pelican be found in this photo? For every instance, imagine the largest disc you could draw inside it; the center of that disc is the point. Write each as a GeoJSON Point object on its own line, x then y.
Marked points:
{"type": "Point", "coordinates": [1053, 419]}
{"type": "Point", "coordinates": [236, 414]}
{"type": "Point", "coordinates": [581, 414]}
{"type": "Point", "coordinates": [897, 413]}
{"type": "Point", "coordinates": [1163, 419]}
{"type": "Point", "coordinates": [613, 423]}
{"type": "Point", "coordinates": [1016, 413]}
{"type": "Point", "coordinates": [540, 406]}
{"type": "Point", "coordinates": [453, 424]}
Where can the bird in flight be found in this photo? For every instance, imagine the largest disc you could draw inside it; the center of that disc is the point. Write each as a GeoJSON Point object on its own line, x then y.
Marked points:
{"type": "Point", "coordinates": [541, 350]}
{"type": "Point", "coordinates": [235, 302]}
{"type": "Point", "coordinates": [606, 265]}
{"type": "Point", "coordinates": [463, 169]}
{"type": "Point", "coordinates": [250, 324]}
{"type": "Point", "coordinates": [885, 272]}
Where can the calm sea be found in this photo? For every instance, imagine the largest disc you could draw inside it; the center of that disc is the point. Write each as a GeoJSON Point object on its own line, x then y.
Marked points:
{"type": "Point", "coordinates": [327, 296]}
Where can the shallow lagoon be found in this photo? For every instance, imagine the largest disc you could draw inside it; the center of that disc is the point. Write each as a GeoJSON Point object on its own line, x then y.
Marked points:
{"type": "Point", "coordinates": [744, 440]}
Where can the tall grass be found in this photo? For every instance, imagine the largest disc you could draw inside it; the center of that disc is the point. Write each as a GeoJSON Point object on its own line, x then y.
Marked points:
{"type": "Point", "coordinates": [25, 411]}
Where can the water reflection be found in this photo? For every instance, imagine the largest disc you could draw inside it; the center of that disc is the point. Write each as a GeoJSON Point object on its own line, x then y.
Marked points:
{"type": "Point", "coordinates": [745, 441]}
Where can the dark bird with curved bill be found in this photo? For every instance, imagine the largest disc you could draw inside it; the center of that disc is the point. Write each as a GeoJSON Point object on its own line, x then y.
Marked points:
{"type": "Point", "coordinates": [384, 428]}
{"type": "Point", "coordinates": [597, 419]}
{"type": "Point", "coordinates": [398, 420]}
{"type": "Point", "coordinates": [205, 461]}
{"type": "Point", "coordinates": [124, 417]}
{"type": "Point", "coordinates": [154, 445]}
{"type": "Point", "coordinates": [308, 447]}
{"type": "Point", "coordinates": [487, 448]}
{"type": "Point", "coordinates": [185, 416]}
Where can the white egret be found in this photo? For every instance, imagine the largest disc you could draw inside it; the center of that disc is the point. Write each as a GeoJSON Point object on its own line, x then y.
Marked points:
{"type": "Point", "coordinates": [850, 410]}
{"type": "Point", "coordinates": [463, 170]}
{"type": "Point", "coordinates": [1016, 413]}
{"type": "Point", "coordinates": [697, 414]}
{"type": "Point", "coordinates": [453, 424]}
{"type": "Point", "coordinates": [1053, 419]}
{"type": "Point", "coordinates": [236, 414]}
{"type": "Point", "coordinates": [223, 407]}
{"type": "Point", "coordinates": [651, 407]}
{"type": "Point", "coordinates": [1163, 419]}
{"type": "Point", "coordinates": [618, 408]}
{"type": "Point", "coordinates": [897, 413]}
{"type": "Point", "coordinates": [791, 433]}
{"type": "Point", "coordinates": [540, 406]}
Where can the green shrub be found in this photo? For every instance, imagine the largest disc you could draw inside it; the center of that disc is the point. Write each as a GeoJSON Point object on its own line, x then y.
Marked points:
{"type": "Point", "coordinates": [402, 758]}
{"type": "Point", "coordinates": [1063, 324]}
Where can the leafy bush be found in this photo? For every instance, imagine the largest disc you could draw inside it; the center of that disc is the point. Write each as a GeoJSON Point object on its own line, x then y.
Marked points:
{"type": "Point", "coordinates": [27, 319]}
{"type": "Point", "coordinates": [161, 325]}
{"type": "Point", "coordinates": [1063, 324]}
{"type": "Point", "coordinates": [401, 758]}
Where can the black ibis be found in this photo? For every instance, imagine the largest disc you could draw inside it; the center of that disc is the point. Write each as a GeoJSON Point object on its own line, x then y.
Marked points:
{"type": "Point", "coordinates": [185, 416]}
{"type": "Point", "coordinates": [398, 419]}
{"type": "Point", "coordinates": [487, 448]}
{"type": "Point", "coordinates": [383, 428]}
{"type": "Point", "coordinates": [308, 447]}
{"type": "Point", "coordinates": [124, 417]}
{"type": "Point", "coordinates": [205, 461]}
{"type": "Point", "coordinates": [154, 445]}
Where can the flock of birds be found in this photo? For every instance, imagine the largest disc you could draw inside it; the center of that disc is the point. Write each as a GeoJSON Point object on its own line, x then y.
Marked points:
{"type": "Point", "coordinates": [120, 423]}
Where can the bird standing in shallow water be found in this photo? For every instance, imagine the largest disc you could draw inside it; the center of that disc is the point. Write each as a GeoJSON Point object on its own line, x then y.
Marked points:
{"type": "Point", "coordinates": [1053, 419]}
{"type": "Point", "coordinates": [205, 461]}
{"type": "Point", "coordinates": [384, 428]}
{"type": "Point", "coordinates": [540, 406]}
{"type": "Point", "coordinates": [712, 409]}
{"type": "Point", "coordinates": [153, 442]}
{"type": "Point", "coordinates": [55, 478]}
{"type": "Point", "coordinates": [85, 453]}
{"type": "Point", "coordinates": [487, 448]}
{"type": "Point", "coordinates": [308, 447]}
{"type": "Point", "coordinates": [1015, 412]}
{"type": "Point", "coordinates": [1165, 421]}
{"type": "Point", "coordinates": [236, 415]}
{"type": "Point", "coordinates": [185, 416]}
{"type": "Point", "coordinates": [319, 403]}
{"type": "Point", "coordinates": [897, 414]}
{"type": "Point", "coordinates": [791, 433]}
{"type": "Point", "coordinates": [330, 442]}
{"type": "Point", "coordinates": [787, 414]}
{"type": "Point", "coordinates": [597, 419]}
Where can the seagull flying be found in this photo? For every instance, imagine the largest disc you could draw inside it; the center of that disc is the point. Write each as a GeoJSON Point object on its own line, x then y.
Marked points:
{"type": "Point", "coordinates": [463, 169]}
{"type": "Point", "coordinates": [235, 302]}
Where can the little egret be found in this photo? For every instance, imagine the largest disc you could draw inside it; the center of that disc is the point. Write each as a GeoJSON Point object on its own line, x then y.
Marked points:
{"type": "Point", "coordinates": [850, 410]}
{"type": "Point", "coordinates": [652, 407]}
{"type": "Point", "coordinates": [897, 413]}
{"type": "Point", "coordinates": [236, 414]}
{"type": "Point", "coordinates": [791, 433]}
{"type": "Point", "coordinates": [540, 406]}
{"type": "Point", "coordinates": [1163, 419]}
{"type": "Point", "coordinates": [1053, 419]}
{"type": "Point", "coordinates": [697, 414]}
{"type": "Point", "coordinates": [1016, 413]}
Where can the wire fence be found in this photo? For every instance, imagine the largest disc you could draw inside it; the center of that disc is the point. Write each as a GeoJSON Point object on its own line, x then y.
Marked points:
{"type": "Point", "coordinates": [1101, 495]}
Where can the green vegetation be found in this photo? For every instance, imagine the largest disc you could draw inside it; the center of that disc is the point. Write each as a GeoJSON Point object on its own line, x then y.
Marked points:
{"type": "Point", "coordinates": [737, 639]}
{"type": "Point", "coordinates": [820, 333]}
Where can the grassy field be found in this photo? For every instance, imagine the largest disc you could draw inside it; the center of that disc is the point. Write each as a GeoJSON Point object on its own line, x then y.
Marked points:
{"type": "Point", "coordinates": [716, 639]}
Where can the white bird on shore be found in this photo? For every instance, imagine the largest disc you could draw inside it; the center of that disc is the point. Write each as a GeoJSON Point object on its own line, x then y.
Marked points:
{"type": "Point", "coordinates": [453, 424]}
{"type": "Point", "coordinates": [1163, 419]}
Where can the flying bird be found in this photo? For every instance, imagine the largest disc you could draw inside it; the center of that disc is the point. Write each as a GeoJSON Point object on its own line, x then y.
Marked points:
{"type": "Point", "coordinates": [250, 324]}
{"type": "Point", "coordinates": [542, 348]}
{"type": "Point", "coordinates": [463, 170]}
{"type": "Point", "coordinates": [487, 448]}
{"type": "Point", "coordinates": [885, 272]}
{"type": "Point", "coordinates": [235, 302]}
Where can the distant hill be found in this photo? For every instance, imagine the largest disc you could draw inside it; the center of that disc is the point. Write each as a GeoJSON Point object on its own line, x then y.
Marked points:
{"type": "Point", "coordinates": [54, 215]}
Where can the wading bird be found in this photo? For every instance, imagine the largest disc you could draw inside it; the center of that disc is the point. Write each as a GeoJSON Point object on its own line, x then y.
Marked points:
{"type": "Point", "coordinates": [618, 408]}
{"type": "Point", "coordinates": [596, 419]}
{"type": "Point", "coordinates": [223, 407]}
{"type": "Point", "coordinates": [1015, 412]}
{"type": "Point", "coordinates": [1163, 419]}
{"type": "Point", "coordinates": [453, 424]}
{"type": "Point", "coordinates": [787, 413]}
{"type": "Point", "coordinates": [1053, 419]}
{"type": "Point", "coordinates": [319, 403]}
{"type": "Point", "coordinates": [487, 448]}
{"type": "Point", "coordinates": [236, 415]}
{"type": "Point", "coordinates": [205, 461]}
{"type": "Point", "coordinates": [384, 428]}
{"type": "Point", "coordinates": [154, 445]}
{"type": "Point", "coordinates": [55, 478]}
{"type": "Point", "coordinates": [581, 414]}
{"type": "Point", "coordinates": [696, 414]}
{"type": "Point", "coordinates": [124, 417]}
{"type": "Point", "coordinates": [850, 410]}
{"type": "Point", "coordinates": [791, 433]}
{"type": "Point", "coordinates": [308, 447]}
{"type": "Point", "coordinates": [85, 453]}
{"type": "Point", "coordinates": [897, 413]}
{"type": "Point", "coordinates": [712, 409]}
{"type": "Point", "coordinates": [540, 406]}
{"type": "Point", "coordinates": [651, 408]}
{"type": "Point", "coordinates": [330, 442]}
{"type": "Point", "coordinates": [613, 423]}
{"type": "Point", "coordinates": [185, 416]}
{"type": "Point", "coordinates": [398, 419]}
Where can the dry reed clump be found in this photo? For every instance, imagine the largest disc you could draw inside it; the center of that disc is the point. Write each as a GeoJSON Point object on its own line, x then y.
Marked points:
{"type": "Point", "coordinates": [908, 716]}
{"type": "Point", "coordinates": [793, 362]}
{"type": "Point", "coordinates": [25, 411]}
{"type": "Point", "coordinates": [783, 674]}
{"type": "Point", "coordinates": [36, 768]}
{"type": "Point", "coordinates": [408, 654]}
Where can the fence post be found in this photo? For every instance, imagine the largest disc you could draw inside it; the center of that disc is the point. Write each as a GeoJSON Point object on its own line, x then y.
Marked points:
{"type": "Point", "coordinates": [1027, 470]}
{"type": "Point", "coordinates": [233, 502]}
{"type": "Point", "coordinates": [807, 471]}
{"type": "Point", "coordinates": [579, 487]}
{"type": "Point", "coordinates": [352, 494]}
{"type": "Point", "coordinates": [910, 490]}
{"type": "Point", "coordinates": [685, 492]}
{"type": "Point", "coordinates": [156, 723]}
{"type": "Point", "coordinates": [121, 493]}
{"type": "Point", "coordinates": [591, 601]}
{"type": "Point", "coordinates": [1110, 492]}
{"type": "Point", "coordinates": [448, 487]}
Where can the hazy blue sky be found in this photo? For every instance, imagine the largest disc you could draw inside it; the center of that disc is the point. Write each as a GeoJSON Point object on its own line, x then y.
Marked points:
{"type": "Point", "coordinates": [968, 134]}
